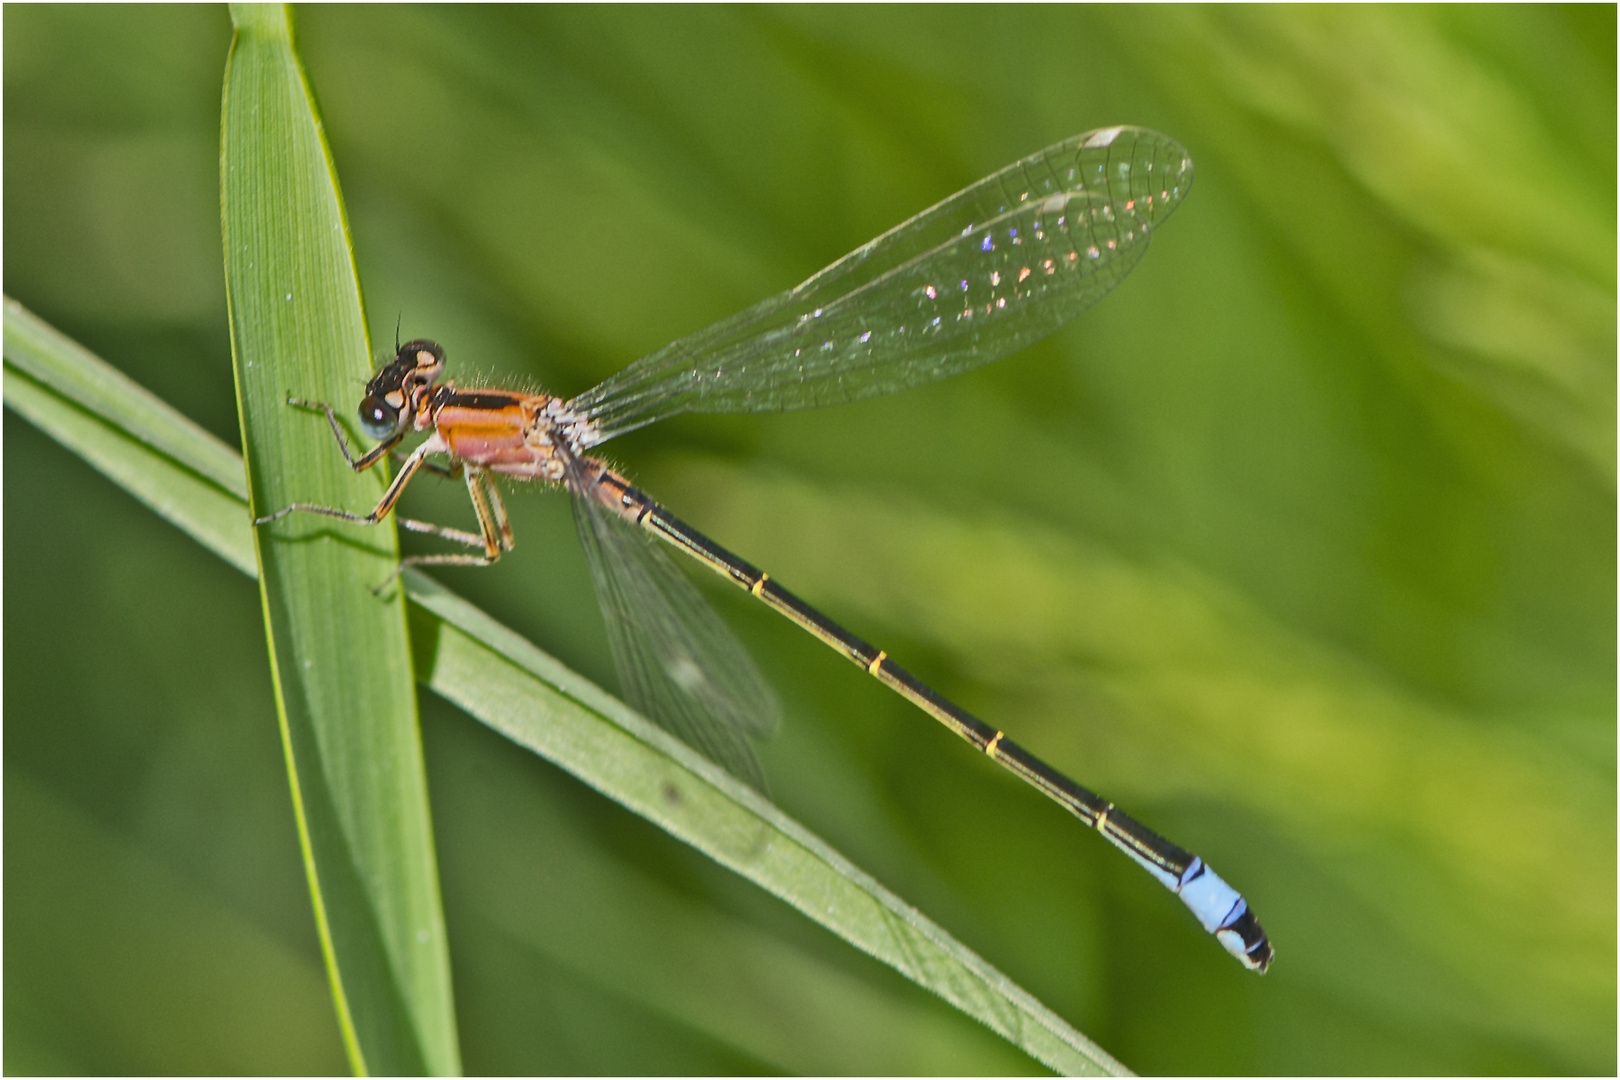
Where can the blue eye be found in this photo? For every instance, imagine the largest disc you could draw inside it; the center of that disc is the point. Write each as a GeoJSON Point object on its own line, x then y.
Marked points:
{"type": "Point", "coordinates": [378, 418]}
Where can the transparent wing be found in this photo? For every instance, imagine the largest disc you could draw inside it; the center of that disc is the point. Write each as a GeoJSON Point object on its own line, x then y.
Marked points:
{"type": "Point", "coordinates": [982, 274]}
{"type": "Point", "coordinates": [677, 661]}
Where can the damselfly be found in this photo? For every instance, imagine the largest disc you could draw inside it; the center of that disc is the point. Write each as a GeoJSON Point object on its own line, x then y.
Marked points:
{"type": "Point", "coordinates": [982, 274]}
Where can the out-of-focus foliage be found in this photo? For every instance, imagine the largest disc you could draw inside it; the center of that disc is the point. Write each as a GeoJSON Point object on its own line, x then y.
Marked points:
{"type": "Point", "coordinates": [1301, 546]}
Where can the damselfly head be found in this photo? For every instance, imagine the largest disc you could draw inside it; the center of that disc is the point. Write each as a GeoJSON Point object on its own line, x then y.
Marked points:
{"type": "Point", "coordinates": [420, 361]}
{"type": "Point", "coordinates": [392, 396]}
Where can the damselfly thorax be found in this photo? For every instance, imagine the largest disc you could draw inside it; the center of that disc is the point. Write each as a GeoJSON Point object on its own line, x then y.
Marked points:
{"type": "Point", "coordinates": [525, 436]}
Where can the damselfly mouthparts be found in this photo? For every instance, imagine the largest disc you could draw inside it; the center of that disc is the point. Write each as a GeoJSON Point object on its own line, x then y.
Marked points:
{"type": "Point", "coordinates": [984, 273]}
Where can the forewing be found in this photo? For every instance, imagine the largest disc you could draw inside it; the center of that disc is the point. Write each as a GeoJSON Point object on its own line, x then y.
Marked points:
{"type": "Point", "coordinates": [986, 272]}
{"type": "Point", "coordinates": [678, 662]}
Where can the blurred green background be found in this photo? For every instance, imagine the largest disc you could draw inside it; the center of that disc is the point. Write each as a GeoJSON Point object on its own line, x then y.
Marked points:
{"type": "Point", "coordinates": [1301, 546]}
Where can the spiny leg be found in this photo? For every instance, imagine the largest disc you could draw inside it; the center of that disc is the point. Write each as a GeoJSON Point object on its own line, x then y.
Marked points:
{"type": "Point", "coordinates": [448, 472]}
{"type": "Point", "coordinates": [366, 461]}
{"type": "Point", "coordinates": [495, 533]}
{"type": "Point", "coordinates": [445, 532]}
{"type": "Point", "coordinates": [380, 511]}
{"type": "Point", "coordinates": [498, 510]}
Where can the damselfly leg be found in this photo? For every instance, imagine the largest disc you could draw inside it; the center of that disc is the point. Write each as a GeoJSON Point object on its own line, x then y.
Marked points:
{"type": "Point", "coordinates": [495, 529]}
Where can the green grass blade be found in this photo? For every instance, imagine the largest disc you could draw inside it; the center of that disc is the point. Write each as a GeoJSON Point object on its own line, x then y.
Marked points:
{"type": "Point", "coordinates": [136, 441]}
{"type": "Point", "coordinates": [510, 685]}
{"type": "Point", "coordinates": [339, 656]}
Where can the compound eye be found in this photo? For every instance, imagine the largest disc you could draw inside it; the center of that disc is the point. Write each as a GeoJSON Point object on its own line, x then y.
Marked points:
{"type": "Point", "coordinates": [378, 418]}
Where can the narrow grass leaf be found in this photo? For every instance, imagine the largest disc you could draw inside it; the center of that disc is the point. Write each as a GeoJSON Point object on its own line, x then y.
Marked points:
{"type": "Point", "coordinates": [137, 441]}
{"type": "Point", "coordinates": [339, 655]}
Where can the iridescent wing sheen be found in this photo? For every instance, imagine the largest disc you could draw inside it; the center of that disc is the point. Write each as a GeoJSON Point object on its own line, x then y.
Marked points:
{"type": "Point", "coordinates": [981, 275]}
